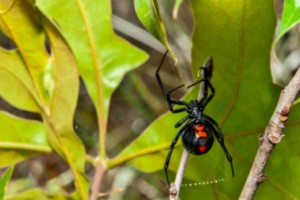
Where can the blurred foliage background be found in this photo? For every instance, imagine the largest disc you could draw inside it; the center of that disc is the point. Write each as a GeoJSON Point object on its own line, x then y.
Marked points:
{"type": "Point", "coordinates": [137, 102]}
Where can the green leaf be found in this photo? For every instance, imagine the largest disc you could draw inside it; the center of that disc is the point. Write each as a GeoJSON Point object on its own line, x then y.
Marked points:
{"type": "Point", "coordinates": [59, 124]}
{"type": "Point", "coordinates": [290, 17]}
{"type": "Point", "coordinates": [36, 194]}
{"type": "Point", "coordinates": [53, 83]}
{"type": "Point", "coordinates": [149, 146]}
{"type": "Point", "coordinates": [16, 19]}
{"type": "Point", "coordinates": [20, 139]}
{"type": "Point", "coordinates": [4, 181]}
{"type": "Point", "coordinates": [148, 13]}
{"type": "Point", "coordinates": [102, 57]}
{"type": "Point", "coordinates": [176, 8]}
{"type": "Point", "coordinates": [280, 65]}
{"type": "Point", "coordinates": [245, 95]}
{"type": "Point", "coordinates": [243, 104]}
{"type": "Point", "coordinates": [16, 82]}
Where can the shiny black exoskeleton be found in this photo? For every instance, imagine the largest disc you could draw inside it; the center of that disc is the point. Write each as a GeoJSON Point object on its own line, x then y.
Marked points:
{"type": "Point", "coordinates": [198, 129]}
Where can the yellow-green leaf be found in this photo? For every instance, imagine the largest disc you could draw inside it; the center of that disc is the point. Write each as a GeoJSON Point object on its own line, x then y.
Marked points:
{"type": "Point", "coordinates": [4, 179]}
{"type": "Point", "coordinates": [148, 13]}
{"type": "Point", "coordinates": [176, 8]}
{"type": "Point", "coordinates": [59, 123]}
{"type": "Point", "coordinates": [37, 194]}
{"type": "Point", "coordinates": [53, 80]}
{"type": "Point", "coordinates": [20, 23]}
{"type": "Point", "coordinates": [16, 85]}
{"type": "Point", "coordinates": [102, 57]}
{"type": "Point", "coordinates": [20, 139]}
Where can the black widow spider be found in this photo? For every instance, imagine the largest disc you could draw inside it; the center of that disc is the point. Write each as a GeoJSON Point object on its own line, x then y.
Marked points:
{"type": "Point", "coordinates": [198, 129]}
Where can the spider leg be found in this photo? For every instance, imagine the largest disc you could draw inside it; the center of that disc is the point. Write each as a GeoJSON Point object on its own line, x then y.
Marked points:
{"type": "Point", "coordinates": [209, 98]}
{"type": "Point", "coordinates": [167, 95]}
{"type": "Point", "coordinates": [167, 162]}
{"type": "Point", "coordinates": [182, 121]}
{"type": "Point", "coordinates": [211, 94]}
{"type": "Point", "coordinates": [206, 75]}
{"type": "Point", "coordinates": [197, 82]}
{"type": "Point", "coordinates": [220, 136]}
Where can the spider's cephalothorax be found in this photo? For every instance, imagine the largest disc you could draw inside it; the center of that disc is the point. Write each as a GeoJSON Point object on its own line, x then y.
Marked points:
{"type": "Point", "coordinates": [197, 129]}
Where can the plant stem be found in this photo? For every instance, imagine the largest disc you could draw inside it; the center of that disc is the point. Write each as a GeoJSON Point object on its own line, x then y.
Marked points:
{"type": "Point", "coordinates": [97, 181]}
{"type": "Point", "coordinates": [272, 136]}
{"type": "Point", "coordinates": [175, 188]}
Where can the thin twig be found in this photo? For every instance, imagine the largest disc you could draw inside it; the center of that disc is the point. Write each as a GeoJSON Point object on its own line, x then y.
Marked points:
{"type": "Point", "coordinates": [97, 181]}
{"type": "Point", "coordinates": [272, 136]}
{"type": "Point", "coordinates": [175, 187]}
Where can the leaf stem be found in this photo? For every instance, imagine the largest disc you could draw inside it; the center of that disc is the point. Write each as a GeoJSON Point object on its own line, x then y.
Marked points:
{"type": "Point", "coordinates": [100, 105]}
{"type": "Point", "coordinates": [24, 146]}
{"type": "Point", "coordinates": [272, 136]}
{"type": "Point", "coordinates": [102, 167]}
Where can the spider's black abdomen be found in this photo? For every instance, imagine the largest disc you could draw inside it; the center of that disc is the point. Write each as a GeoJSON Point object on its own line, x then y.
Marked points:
{"type": "Point", "coordinates": [197, 139]}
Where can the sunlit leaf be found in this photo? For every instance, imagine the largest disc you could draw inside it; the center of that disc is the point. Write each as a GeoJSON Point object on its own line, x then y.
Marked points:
{"type": "Point", "coordinates": [16, 82]}
{"type": "Point", "coordinates": [20, 139]}
{"type": "Point", "coordinates": [37, 194]}
{"type": "Point", "coordinates": [290, 17]}
{"type": "Point", "coordinates": [16, 19]}
{"type": "Point", "coordinates": [281, 65]}
{"type": "Point", "coordinates": [176, 8]}
{"type": "Point", "coordinates": [4, 179]}
{"type": "Point", "coordinates": [149, 15]}
{"type": "Point", "coordinates": [102, 57]}
{"type": "Point", "coordinates": [53, 80]}
{"type": "Point", "coordinates": [59, 124]}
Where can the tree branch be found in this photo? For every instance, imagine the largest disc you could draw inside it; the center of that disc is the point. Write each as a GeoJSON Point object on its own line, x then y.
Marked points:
{"type": "Point", "coordinates": [272, 136]}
